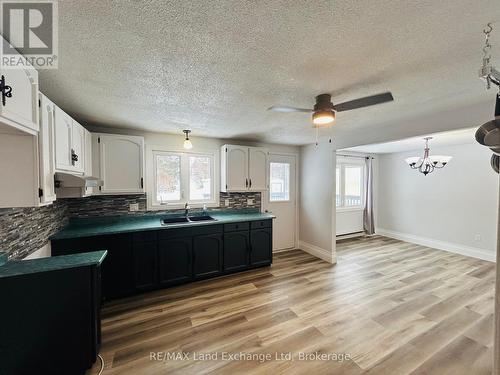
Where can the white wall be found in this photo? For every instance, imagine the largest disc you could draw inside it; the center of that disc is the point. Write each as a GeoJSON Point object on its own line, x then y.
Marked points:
{"type": "Point", "coordinates": [317, 200]}
{"type": "Point", "coordinates": [454, 208]}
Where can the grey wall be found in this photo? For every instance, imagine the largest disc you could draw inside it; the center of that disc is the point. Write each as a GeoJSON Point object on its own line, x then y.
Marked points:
{"type": "Point", "coordinates": [317, 192]}
{"type": "Point", "coordinates": [454, 204]}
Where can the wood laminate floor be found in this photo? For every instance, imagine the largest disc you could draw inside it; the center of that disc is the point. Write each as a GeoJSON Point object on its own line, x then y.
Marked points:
{"type": "Point", "coordinates": [386, 307]}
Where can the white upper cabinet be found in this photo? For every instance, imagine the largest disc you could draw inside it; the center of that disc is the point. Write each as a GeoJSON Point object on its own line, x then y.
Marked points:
{"type": "Point", "coordinates": [118, 160]}
{"type": "Point", "coordinates": [70, 143]}
{"type": "Point", "coordinates": [78, 146]}
{"type": "Point", "coordinates": [46, 146]}
{"type": "Point", "coordinates": [20, 111]}
{"type": "Point", "coordinates": [257, 169]}
{"type": "Point", "coordinates": [63, 130]}
{"type": "Point", "coordinates": [243, 168]}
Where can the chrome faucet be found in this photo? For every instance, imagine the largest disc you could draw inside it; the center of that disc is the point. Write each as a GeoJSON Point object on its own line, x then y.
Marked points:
{"type": "Point", "coordinates": [186, 209]}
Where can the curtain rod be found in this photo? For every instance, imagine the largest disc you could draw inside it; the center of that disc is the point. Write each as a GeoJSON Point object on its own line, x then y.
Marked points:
{"type": "Point", "coordinates": [355, 156]}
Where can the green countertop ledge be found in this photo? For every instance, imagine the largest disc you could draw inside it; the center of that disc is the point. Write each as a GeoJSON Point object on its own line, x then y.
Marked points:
{"type": "Point", "coordinates": [87, 227]}
{"type": "Point", "coordinates": [22, 267]}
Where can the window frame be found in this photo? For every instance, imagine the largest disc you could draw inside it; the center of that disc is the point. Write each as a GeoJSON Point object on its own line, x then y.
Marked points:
{"type": "Point", "coordinates": [289, 182]}
{"type": "Point", "coordinates": [342, 163]}
{"type": "Point", "coordinates": [154, 205]}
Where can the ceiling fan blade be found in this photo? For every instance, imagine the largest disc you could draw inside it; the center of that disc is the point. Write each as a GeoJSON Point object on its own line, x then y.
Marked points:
{"type": "Point", "coordinates": [288, 109]}
{"type": "Point", "coordinates": [364, 102]}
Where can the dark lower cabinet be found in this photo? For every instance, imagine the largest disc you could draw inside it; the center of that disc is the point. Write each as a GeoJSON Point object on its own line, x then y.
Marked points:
{"type": "Point", "coordinates": [175, 260]}
{"type": "Point", "coordinates": [207, 255]}
{"type": "Point", "coordinates": [147, 260]}
{"type": "Point", "coordinates": [236, 251]}
{"type": "Point", "coordinates": [261, 246]}
{"type": "Point", "coordinates": [117, 268]}
{"type": "Point", "coordinates": [50, 321]}
{"type": "Point", "coordinates": [145, 265]}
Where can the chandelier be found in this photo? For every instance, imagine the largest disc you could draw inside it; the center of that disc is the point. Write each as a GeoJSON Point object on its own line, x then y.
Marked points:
{"type": "Point", "coordinates": [427, 163]}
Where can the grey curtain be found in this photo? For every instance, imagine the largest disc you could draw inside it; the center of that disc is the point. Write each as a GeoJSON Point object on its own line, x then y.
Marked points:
{"type": "Point", "coordinates": [368, 221]}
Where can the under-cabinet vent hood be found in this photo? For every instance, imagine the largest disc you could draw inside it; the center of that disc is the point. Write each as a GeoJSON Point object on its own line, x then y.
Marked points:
{"type": "Point", "coordinates": [67, 180]}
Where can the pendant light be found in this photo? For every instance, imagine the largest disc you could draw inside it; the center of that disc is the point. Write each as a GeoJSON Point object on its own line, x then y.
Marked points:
{"type": "Point", "coordinates": [187, 143]}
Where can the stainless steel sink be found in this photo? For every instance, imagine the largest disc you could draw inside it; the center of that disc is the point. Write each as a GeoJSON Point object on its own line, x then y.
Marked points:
{"type": "Point", "coordinates": [186, 220]}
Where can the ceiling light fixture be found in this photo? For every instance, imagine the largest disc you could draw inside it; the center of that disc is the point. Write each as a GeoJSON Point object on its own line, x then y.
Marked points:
{"type": "Point", "coordinates": [427, 163]}
{"type": "Point", "coordinates": [323, 117]}
{"type": "Point", "coordinates": [187, 143]}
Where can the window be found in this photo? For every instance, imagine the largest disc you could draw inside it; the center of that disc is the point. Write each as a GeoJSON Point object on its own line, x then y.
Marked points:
{"type": "Point", "coordinates": [349, 185]}
{"type": "Point", "coordinates": [183, 177]}
{"type": "Point", "coordinates": [279, 185]}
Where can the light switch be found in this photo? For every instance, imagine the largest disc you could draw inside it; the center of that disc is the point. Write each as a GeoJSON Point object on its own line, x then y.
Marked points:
{"type": "Point", "coordinates": [134, 207]}
{"type": "Point", "coordinates": [249, 201]}
{"type": "Point", "coordinates": [226, 202]}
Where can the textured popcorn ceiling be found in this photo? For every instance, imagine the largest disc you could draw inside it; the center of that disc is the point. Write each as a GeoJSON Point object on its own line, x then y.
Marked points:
{"type": "Point", "coordinates": [216, 66]}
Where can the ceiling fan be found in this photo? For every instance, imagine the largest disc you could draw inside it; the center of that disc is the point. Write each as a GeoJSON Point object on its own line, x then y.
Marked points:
{"type": "Point", "coordinates": [324, 110]}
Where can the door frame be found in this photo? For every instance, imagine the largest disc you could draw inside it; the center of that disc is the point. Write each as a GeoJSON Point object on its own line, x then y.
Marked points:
{"type": "Point", "coordinates": [297, 192]}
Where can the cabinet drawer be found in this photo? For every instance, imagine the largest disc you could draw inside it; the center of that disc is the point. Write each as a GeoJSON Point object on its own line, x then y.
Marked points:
{"type": "Point", "coordinates": [232, 227]}
{"type": "Point", "coordinates": [189, 231]}
{"type": "Point", "coordinates": [147, 236]}
{"type": "Point", "coordinates": [261, 224]}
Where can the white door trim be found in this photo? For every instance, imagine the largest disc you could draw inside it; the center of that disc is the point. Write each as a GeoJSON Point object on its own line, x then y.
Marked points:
{"type": "Point", "coordinates": [297, 192]}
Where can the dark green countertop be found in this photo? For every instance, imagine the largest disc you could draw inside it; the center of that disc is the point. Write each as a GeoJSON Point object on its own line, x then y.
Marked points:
{"type": "Point", "coordinates": [88, 227]}
{"type": "Point", "coordinates": [21, 267]}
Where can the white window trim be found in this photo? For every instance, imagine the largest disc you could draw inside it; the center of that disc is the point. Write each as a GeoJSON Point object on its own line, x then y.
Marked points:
{"type": "Point", "coordinates": [152, 205]}
{"type": "Point", "coordinates": [347, 162]}
{"type": "Point", "coordinates": [289, 182]}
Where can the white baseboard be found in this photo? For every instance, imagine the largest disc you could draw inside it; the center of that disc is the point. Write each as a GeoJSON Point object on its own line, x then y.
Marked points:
{"type": "Point", "coordinates": [318, 252]}
{"type": "Point", "coordinates": [350, 235]}
{"type": "Point", "coordinates": [441, 245]}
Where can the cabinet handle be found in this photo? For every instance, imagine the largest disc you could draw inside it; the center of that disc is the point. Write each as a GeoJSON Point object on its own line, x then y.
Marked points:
{"type": "Point", "coordinates": [250, 186]}
{"type": "Point", "coordinates": [246, 182]}
{"type": "Point", "coordinates": [74, 157]}
{"type": "Point", "coordinates": [6, 90]}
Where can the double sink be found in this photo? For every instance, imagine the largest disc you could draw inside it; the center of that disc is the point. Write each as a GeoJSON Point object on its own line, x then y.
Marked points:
{"type": "Point", "coordinates": [186, 219]}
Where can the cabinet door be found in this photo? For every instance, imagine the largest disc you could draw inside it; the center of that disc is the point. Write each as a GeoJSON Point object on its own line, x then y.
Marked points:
{"type": "Point", "coordinates": [236, 168]}
{"type": "Point", "coordinates": [207, 255]}
{"type": "Point", "coordinates": [121, 164]}
{"type": "Point", "coordinates": [78, 146]}
{"type": "Point", "coordinates": [145, 265]}
{"type": "Point", "coordinates": [46, 148]}
{"type": "Point", "coordinates": [117, 267]}
{"type": "Point", "coordinates": [257, 169]}
{"type": "Point", "coordinates": [236, 251]}
{"type": "Point", "coordinates": [260, 246]}
{"type": "Point", "coordinates": [175, 261]}
{"type": "Point", "coordinates": [63, 132]}
{"type": "Point", "coordinates": [21, 109]}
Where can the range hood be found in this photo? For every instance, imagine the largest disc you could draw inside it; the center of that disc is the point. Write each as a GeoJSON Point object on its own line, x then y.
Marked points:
{"type": "Point", "coordinates": [67, 180]}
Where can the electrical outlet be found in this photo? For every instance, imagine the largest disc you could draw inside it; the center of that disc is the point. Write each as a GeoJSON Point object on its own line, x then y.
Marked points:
{"type": "Point", "coordinates": [226, 202]}
{"type": "Point", "coordinates": [477, 237]}
{"type": "Point", "coordinates": [134, 207]}
{"type": "Point", "coordinates": [249, 201]}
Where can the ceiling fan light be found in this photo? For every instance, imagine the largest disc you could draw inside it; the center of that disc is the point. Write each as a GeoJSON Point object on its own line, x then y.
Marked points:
{"type": "Point", "coordinates": [323, 117]}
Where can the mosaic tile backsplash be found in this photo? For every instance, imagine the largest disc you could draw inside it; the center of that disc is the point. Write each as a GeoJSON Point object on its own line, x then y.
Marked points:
{"type": "Point", "coordinates": [25, 230]}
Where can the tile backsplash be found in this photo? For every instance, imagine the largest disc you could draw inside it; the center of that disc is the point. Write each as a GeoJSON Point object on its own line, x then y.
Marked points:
{"type": "Point", "coordinates": [25, 230]}
{"type": "Point", "coordinates": [113, 205]}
